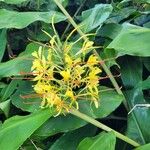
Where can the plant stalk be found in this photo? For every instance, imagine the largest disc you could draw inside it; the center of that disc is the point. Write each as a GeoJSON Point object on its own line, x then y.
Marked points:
{"type": "Point", "coordinates": [104, 127]}
{"type": "Point", "coordinates": [108, 72]}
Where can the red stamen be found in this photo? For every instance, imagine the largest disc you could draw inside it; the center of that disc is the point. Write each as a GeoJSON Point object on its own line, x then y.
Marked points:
{"type": "Point", "coordinates": [31, 96]}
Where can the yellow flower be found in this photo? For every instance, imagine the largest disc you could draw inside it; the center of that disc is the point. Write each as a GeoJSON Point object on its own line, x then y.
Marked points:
{"type": "Point", "coordinates": [68, 60]}
{"type": "Point", "coordinates": [69, 93]}
{"type": "Point", "coordinates": [66, 75]}
{"type": "Point", "coordinates": [87, 44]}
{"type": "Point", "coordinates": [77, 75]}
{"type": "Point", "coordinates": [92, 60]}
{"type": "Point", "coordinates": [42, 87]}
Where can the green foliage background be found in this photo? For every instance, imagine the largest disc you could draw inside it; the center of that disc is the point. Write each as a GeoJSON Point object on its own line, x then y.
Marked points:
{"type": "Point", "coordinates": [122, 28]}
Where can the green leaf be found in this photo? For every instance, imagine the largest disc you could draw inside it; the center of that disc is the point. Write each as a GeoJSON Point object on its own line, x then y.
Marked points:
{"type": "Point", "coordinates": [3, 41]}
{"type": "Point", "coordinates": [64, 142]}
{"type": "Point", "coordinates": [104, 141]}
{"type": "Point", "coordinates": [142, 1]}
{"type": "Point", "coordinates": [13, 1]}
{"type": "Point", "coordinates": [22, 63]}
{"type": "Point", "coordinates": [5, 107]}
{"type": "Point", "coordinates": [26, 104]}
{"type": "Point", "coordinates": [19, 20]}
{"type": "Point", "coordinates": [131, 74]}
{"type": "Point", "coordinates": [132, 40]}
{"type": "Point", "coordinates": [109, 101]}
{"type": "Point", "coordinates": [8, 90]}
{"type": "Point", "coordinates": [146, 62]}
{"type": "Point", "coordinates": [95, 17]}
{"type": "Point", "coordinates": [144, 84]}
{"type": "Point", "coordinates": [110, 30]}
{"type": "Point", "coordinates": [59, 124]}
{"type": "Point", "coordinates": [143, 147]}
{"type": "Point", "coordinates": [121, 14]}
{"type": "Point", "coordinates": [18, 128]}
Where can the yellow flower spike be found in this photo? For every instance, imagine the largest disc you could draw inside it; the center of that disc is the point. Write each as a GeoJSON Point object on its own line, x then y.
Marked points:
{"type": "Point", "coordinates": [66, 75]}
{"type": "Point", "coordinates": [61, 94]}
{"type": "Point", "coordinates": [68, 60]}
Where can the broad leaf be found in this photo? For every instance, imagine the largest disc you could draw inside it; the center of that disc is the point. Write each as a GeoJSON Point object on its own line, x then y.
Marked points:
{"type": "Point", "coordinates": [19, 20]}
{"type": "Point", "coordinates": [104, 141]}
{"type": "Point", "coordinates": [18, 128]}
{"type": "Point", "coordinates": [132, 40]}
{"type": "Point", "coordinates": [70, 140]}
{"type": "Point", "coordinates": [95, 17]}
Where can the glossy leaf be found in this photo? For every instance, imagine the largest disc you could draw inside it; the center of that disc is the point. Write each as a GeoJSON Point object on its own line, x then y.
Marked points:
{"type": "Point", "coordinates": [132, 40]}
{"type": "Point", "coordinates": [104, 141]}
{"type": "Point", "coordinates": [18, 128]}
{"type": "Point", "coordinates": [20, 20]}
{"type": "Point", "coordinates": [70, 140]}
{"type": "Point", "coordinates": [95, 17]}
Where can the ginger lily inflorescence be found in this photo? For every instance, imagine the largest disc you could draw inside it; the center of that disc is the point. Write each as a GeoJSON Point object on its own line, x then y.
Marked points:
{"type": "Point", "coordinates": [63, 76]}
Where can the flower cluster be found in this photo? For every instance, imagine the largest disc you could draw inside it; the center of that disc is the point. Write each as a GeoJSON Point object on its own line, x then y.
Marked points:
{"type": "Point", "coordinates": [62, 77]}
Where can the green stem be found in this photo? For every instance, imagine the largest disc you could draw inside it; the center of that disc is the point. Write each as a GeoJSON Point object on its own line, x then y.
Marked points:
{"type": "Point", "coordinates": [108, 72]}
{"type": "Point", "coordinates": [104, 127]}
{"type": "Point", "coordinates": [73, 18]}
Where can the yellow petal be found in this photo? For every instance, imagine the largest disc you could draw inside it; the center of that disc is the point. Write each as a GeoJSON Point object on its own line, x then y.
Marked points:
{"type": "Point", "coordinates": [66, 75]}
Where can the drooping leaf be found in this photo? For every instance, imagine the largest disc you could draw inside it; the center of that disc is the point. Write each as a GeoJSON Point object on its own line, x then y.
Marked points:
{"type": "Point", "coordinates": [70, 140]}
{"type": "Point", "coordinates": [3, 41]}
{"type": "Point", "coordinates": [95, 17]}
{"type": "Point", "coordinates": [18, 128]}
{"type": "Point", "coordinates": [104, 141]}
{"type": "Point", "coordinates": [19, 20]}
{"type": "Point", "coordinates": [132, 40]}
